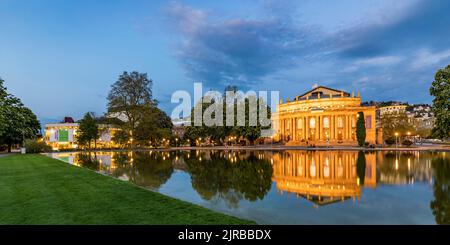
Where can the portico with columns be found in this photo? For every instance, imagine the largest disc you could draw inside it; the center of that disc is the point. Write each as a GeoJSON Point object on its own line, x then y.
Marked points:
{"type": "Point", "coordinates": [323, 116]}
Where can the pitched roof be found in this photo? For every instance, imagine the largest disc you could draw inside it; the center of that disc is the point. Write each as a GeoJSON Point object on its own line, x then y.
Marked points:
{"type": "Point", "coordinates": [323, 87]}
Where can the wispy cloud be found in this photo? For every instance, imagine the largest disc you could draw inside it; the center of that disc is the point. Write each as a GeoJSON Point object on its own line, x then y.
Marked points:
{"type": "Point", "coordinates": [375, 55]}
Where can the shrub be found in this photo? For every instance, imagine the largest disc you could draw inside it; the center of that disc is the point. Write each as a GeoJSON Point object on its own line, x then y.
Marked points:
{"type": "Point", "coordinates": [366, 144]}
{"type": "Point", "coordinates": [407, 143]}
{"type": "Point", "coordinates": [33, 146]}
{"type": "Point", "coordinates": [390, 141]}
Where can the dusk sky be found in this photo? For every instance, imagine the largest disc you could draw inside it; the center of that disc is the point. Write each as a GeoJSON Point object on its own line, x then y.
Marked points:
{"type": "Point", "coordinates": [60, 57]}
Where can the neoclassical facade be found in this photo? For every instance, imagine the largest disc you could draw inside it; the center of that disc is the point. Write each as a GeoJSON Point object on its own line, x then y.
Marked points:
{"type": "Point", "coordinates": [323, 116]}
{"type": "Point", "coordinates": [323, 177]}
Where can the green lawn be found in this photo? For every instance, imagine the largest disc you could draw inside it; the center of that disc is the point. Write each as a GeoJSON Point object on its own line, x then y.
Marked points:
{"type": "Point", "coordinates": [35, 189]}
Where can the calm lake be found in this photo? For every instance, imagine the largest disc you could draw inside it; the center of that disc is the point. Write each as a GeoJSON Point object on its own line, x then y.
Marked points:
{"type": "Point", "coordinates": [292, 186]}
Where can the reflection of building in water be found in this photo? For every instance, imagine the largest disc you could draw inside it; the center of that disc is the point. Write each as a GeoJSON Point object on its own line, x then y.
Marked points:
{"type": "Point", "coordinates": [322, 176]}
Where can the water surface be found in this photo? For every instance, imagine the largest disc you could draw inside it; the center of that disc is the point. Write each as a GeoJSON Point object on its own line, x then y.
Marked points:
{"type": "Point", "coordinates": [292, 186]}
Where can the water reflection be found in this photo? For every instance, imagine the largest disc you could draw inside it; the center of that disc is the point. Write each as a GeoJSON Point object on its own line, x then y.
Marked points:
{"type": "Point", "coordinates": [230, 176]}
{"type": "Point", "coordinates": [441, 188]}
{"type": "Point", "coordinates": [320, 177]}
{"type": "Point", "coordinates": [324, 177]}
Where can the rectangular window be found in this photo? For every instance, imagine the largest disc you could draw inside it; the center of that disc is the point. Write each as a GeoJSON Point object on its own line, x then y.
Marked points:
{"type": "Point", "coordinates": [368, 122]}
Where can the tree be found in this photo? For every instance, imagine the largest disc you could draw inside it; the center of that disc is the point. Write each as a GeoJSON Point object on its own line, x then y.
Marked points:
{"type": "Point", "coordinates": [88, 130]}
{"type": "Point", "coordinates": [121, 137]}
{"type": "Point", "coordinates": [17, 122]}
{"type": "Point", "coordinates": [218, 133]}
{"type": "Point", "coordinates": [3, 95]}
{"type": "Point", "coordinates": [131, 95]}
{"type": "Point", "coordinates": [361, 129]}
{"type": "Point", "coordinates": [440, 89]}
{"type": "Point", "coordinates": [154, 126]}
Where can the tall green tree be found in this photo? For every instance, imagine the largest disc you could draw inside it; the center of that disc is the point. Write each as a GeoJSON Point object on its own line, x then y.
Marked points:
{"type": "Point", "coordinates": [17, 122]}
{"type": "Point", "coordinates": [361, 129]}
{"type": "Point", "coordinates": [131, 95]}
{"type": "Point", "coordinates": [88, 131]}
{"type": "Point", "coordinates": [440, 89]}
{"type": "Point", "coordinates": [154, 126]}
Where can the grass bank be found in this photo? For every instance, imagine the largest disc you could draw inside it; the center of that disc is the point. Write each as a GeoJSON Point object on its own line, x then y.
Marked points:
{"type": "Point", "coordinates": [36, 189]}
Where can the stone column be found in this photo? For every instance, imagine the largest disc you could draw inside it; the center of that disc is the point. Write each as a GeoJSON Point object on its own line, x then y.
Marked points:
{"type": "Point", "coordinates": [294, 128]}
{"type": "Point", "coordinates": [307, 127]}
{"type": "Point", "coordinates": [346, 127]}
{"type": "Point", "coordinates": [318, 118]}
{"type": "Point", "coordinates": [331, 127]}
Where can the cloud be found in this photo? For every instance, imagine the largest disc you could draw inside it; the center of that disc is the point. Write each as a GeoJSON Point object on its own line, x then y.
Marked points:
{"type": "Point", "coordinates": [239, 49]}
{"type": "Point", "coordinates": [425, 58]}
{"type": "Point", "coordinates": [378, 61]}
{"type": "Point", "coordinates": [387, 51]}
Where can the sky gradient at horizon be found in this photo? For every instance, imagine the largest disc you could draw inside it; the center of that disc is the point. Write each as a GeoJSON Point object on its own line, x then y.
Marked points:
{"type": "Point", "coordinates": [60, 57]}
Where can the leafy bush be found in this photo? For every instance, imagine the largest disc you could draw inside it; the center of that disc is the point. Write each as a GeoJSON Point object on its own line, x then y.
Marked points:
{"type": "Point", "coordinates": [390, 141]}
{"type": "Point", "coordinates": [407, 143]}
{"type": "Point", "coordinates": [33, 146]}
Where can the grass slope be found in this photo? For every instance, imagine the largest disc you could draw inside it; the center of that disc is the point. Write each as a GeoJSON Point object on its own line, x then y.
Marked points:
{"type": "Point", "coordinates": [35, 189]}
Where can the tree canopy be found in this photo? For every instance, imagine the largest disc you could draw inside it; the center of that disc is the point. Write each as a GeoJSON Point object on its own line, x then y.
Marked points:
{"type": "Point", "coordinates": [131, 94]}
{"type": "Point", "coordinates": [440, 89]}
{"type": "Point", "coordinates": [88, 130]}
{"type": "Point", "coordinates": [249, 128]}
{"type": "Point", "coordinates": [17, 122]}
{"type": "Point", "coordinates": [361, 129]}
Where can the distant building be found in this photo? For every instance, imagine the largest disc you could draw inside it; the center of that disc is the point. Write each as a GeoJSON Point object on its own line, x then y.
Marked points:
{"type": "Point", "coordinates": [392, 109]}
{"type": "Point", "coordinates": [64, 135]}
{"type": "Point", "coordinates": [323, 116]}
{"type": "Point", "coordinates": [421, 116]}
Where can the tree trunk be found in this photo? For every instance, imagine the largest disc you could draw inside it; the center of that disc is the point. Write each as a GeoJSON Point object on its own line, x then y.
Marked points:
{"type": "Point", "coordinates": [9, 147]}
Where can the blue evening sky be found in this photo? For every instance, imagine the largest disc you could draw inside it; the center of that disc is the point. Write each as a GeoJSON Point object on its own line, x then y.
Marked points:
{"type": "Point", "coordinates": [60, 57]}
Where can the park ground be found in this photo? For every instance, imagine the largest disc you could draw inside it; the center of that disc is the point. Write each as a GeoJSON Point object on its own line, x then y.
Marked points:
{"type": "Point", "coordinates": [35, 189]}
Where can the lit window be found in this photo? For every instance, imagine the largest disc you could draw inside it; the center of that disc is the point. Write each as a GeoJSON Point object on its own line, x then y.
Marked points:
{"type": "Point", "coordinates": [312, 123]}
{"type": "Point", "coordinates": [369, 122]}
{"type": "Point", "coordinates": [299, 124]}
{"type": "Point", "coordinates": [353, 122]}
{"type": "Point", "coordinates": [326, 122]}
{"type": "Point", "coordinates": [340, 122]}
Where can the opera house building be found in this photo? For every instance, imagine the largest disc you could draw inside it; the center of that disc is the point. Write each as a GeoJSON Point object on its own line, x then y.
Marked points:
{"type": "Point", "coordinates": [323, 116]}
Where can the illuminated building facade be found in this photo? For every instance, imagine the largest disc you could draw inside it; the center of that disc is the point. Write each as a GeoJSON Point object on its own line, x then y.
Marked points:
{"type": "Point", "coordinates": [64, 135]}
{"type": "Point", "coordinates": [323, 116]}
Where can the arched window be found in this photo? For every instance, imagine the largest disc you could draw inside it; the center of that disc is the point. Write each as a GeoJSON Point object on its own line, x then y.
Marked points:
{"type": "Point", "coordinates": [312, 123]}
{"type": "Point", "coordinates": [326, 122]}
